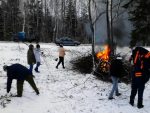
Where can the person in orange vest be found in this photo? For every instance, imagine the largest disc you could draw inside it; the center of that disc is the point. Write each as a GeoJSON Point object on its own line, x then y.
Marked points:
{"type": "Point", "coordinates": [61, 56]}
{"type": "Point", "coordinates": [139, 75]}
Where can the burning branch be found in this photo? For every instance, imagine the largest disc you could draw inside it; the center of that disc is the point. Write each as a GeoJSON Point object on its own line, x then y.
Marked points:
{"type": "Point", "coordinates": [103, 57]}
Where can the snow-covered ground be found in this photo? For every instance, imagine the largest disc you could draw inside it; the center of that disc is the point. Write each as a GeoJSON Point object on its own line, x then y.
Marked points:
{"type": "Point", "coordinates": [63, 90]}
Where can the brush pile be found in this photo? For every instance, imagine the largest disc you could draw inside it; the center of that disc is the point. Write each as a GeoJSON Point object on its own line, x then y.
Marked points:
{"type": "Point", "coordinates": [84, 65]}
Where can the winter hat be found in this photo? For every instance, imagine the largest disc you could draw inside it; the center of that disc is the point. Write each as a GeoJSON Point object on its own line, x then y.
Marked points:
{"type": "Point", "coordinates": [5, 67]}
{"type": "Point", "coordinates": [37, 46]}
{"type": "Point", "coordinates": [31, 46]}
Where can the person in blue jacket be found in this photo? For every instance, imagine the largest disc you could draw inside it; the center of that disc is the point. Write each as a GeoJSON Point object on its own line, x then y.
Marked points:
{"type": "Point", "coordinates": [20, 73]}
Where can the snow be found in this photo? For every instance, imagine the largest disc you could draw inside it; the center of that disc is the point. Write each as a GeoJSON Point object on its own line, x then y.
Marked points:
{"type": "Point", "coordinates": [63, 90]}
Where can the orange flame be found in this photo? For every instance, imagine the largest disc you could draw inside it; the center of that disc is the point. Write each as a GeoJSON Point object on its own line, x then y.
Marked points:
{"type": "Point", "coordinates": [104, 55]}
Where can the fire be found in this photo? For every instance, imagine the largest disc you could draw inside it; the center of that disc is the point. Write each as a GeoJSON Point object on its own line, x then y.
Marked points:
{"type": "Point", "coordinates": [104, 59]}
{"type": "Point", "coordinates": [104, 55]}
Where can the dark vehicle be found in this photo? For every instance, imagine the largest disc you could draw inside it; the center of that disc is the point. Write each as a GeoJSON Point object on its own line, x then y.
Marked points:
{"type": "Point", "coordinates": [67, 42]}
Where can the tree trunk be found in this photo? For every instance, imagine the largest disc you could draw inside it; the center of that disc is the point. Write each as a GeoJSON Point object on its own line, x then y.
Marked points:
{"type": "Point", "coordinates": [109, 26]}
{"type": "Point", "coordinates": [93, 40]}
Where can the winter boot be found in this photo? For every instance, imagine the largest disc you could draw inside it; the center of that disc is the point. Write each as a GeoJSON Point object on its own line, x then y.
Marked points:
{"type": "Point", "coordinates": [118, 94]}
{"type": "Point", "coordinates": [140, 104]}
{"type": "Point", "coordinates": [36, 70]}
{"type": "Point", "coordinates": [131, 102]}
{"type": "Point", "coordinates": [37, 92]}
{"type": "Point", "coordinates": [110, 98]}
{"type": "Point", "coordinates": [19, 95]}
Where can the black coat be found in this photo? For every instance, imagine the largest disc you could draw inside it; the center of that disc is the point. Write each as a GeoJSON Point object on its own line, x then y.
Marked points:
{"type": "Point", "coordinates": [116, 68]}
{"type": "Point", "coordinates": [141, 60]}
{"type": "Point", "coordinates": [31, 57]}
{"type": "Point", "coordinates": [16, 71]}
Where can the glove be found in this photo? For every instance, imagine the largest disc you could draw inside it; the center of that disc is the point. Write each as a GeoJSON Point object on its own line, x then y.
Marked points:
{"type": "Point", "coordinates": [56, 59]}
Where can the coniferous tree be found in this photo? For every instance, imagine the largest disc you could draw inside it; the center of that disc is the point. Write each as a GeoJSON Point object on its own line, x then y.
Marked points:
{"type": "Point", "coordinates": [83, 22]}
{"type": "Point", "coordinates": [10, 19]}
{"type": "Point", "coordinates": [1, 23]}
{"type": "Point", "coordinates": [71, 19]}
{"type": "Point", "coordinates": [140, 16]}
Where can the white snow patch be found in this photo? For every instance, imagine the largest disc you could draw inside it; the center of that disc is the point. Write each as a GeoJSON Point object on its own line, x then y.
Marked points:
{"type": "Point", "coordinates": [63, 90]}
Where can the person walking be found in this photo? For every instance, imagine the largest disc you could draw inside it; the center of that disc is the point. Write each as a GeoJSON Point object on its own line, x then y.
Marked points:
{"type": "Point", "coordinates": [61, 56]}
{"type": "Point", "coordinates": [116, 69]}
{"type": "Point", "coordinates": [37, 53]}
{"type": "Point", "coordinates": [140, 74]}
{"type": "Point", "coordinates": [31, 57]}
{"type": "Point", "coordinates": [20, 73]}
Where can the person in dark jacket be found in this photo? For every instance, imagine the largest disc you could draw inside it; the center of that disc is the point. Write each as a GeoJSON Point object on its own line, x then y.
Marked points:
{"type": "Point", "coordinates": [116, 68]}
{"type": "Point", "coordinates": [20, 73]}
{"type": "Point", "coordinates": [31, 57]}
{"type": "Point", "coordinates": [140, 74]}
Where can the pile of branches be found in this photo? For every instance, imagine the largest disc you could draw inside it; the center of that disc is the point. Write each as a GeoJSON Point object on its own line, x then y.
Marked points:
{"type": "Point", "coordinates": [84, 65]}
{"type": "Point", "coordinates": [125, 75]}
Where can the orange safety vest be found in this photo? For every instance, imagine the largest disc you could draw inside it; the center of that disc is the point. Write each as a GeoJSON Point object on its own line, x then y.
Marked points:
{"type": "Point", "coordinates": [138, 56]}
{"type": "Point", "coordinates": [147, 55]}
{"type": "Point", "coordinates": [138, 74]}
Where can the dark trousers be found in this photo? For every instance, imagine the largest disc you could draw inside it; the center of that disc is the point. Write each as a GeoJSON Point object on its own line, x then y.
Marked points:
{"type": "Point", "coordinates": [37, 66]}
{"type": "Point", "coordinates": [61, 60]}
{"type": "Point", "coordinates": [30, 80]}
{"type": "Point", "coordinates": [31, 67]}
{"type": "Point", "coordinates": [137, 86]}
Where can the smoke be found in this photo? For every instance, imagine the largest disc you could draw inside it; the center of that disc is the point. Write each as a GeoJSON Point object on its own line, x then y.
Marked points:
{"type": "Point", "coordinates": [121, 26]}
{"type": "Point", "coordinates": [121, 31]}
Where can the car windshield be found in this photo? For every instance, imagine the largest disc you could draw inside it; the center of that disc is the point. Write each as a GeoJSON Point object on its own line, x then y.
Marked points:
{"type": "Point", "coordinates": [69, 39]}
{"type": "Point", "coordinates": [65, 39]}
